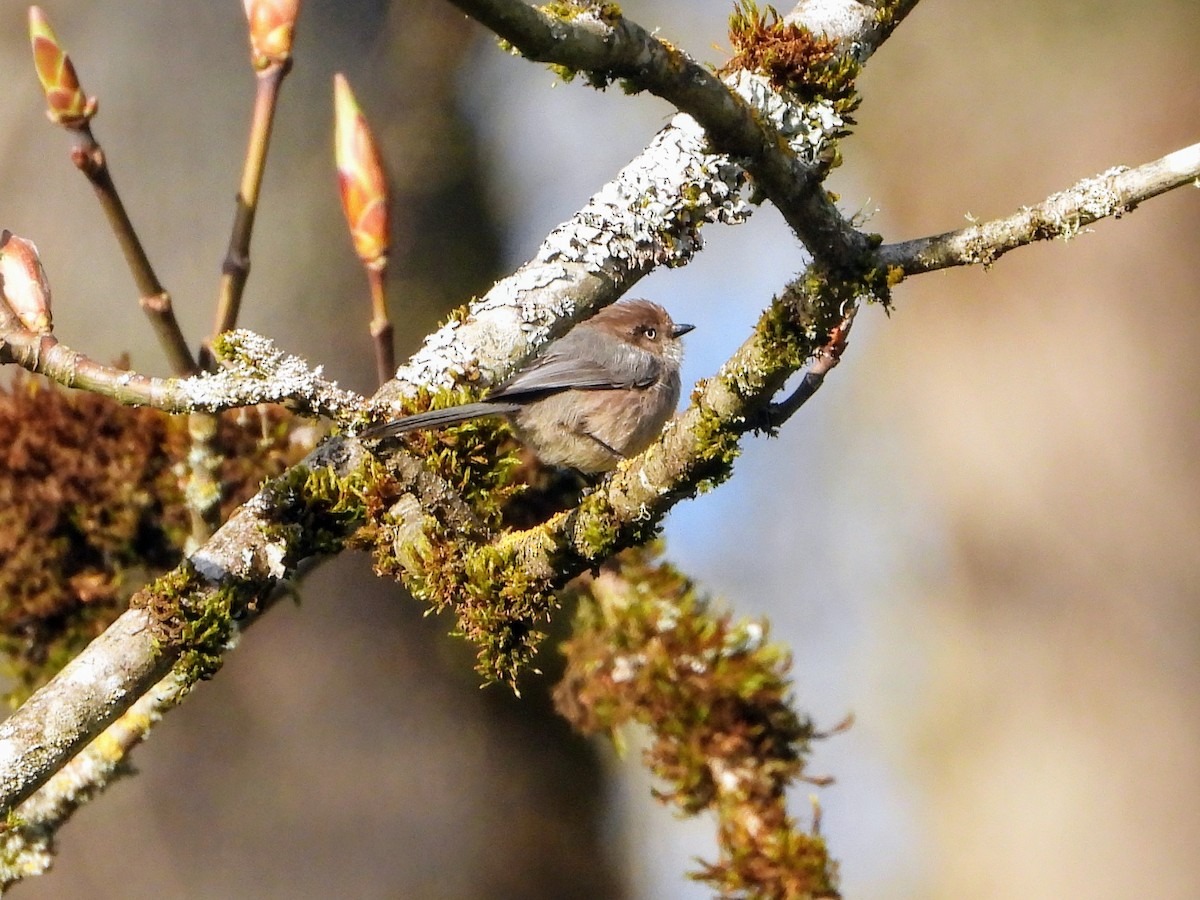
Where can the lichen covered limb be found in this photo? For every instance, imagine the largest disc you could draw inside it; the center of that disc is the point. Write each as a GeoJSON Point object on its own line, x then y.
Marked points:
{"type": "Point", "coordinates": [27, 845]}
{"type": "Point", "coordinates": [649, 215]}
{"type": "Point", "coordinates": [254, 371]}
{"type": "Point", "coordinates": [1064, 214]}
{"type": "Point", "coordinates": [610, 46]}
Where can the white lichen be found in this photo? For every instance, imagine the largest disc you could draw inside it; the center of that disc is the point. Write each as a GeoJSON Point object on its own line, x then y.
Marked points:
{"type": "Point", "coordinates": [745, 638]}
{"type": "Point", "coordinates": [625, 668]}
{"type": "Point", "coordinates": [253, 370]}
{"type": "Point", "coordinates": [807, 127]}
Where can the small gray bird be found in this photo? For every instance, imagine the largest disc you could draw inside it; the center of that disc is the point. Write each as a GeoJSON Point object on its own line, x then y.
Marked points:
{"type": "Point", "coordinates": [600, 393]}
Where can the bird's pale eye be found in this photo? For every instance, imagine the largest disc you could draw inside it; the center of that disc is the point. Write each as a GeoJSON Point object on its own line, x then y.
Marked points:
{"type": "Point", "coordinates": [651, 332]}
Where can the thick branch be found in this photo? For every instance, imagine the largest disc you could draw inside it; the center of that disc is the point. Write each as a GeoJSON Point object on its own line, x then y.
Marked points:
{"type": "Point", "coordinates": [304, 514]}
{"type": "Point", "coordinates": [91, 691]}
{"type": "Point", "coordinates": [859, 27]}
{"type": "Point", "coordinates": [26, 846]}
{"type": "Point", "coordinates": [615, 47]}
{"type": "Point", "coordinates": [250, 553]}
{"type": "Point", "coordinates": [1065, 214]}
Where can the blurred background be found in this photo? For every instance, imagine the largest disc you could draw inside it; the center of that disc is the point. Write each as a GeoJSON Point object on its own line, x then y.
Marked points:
{"type": "Point", "coordinates": [981, 538]}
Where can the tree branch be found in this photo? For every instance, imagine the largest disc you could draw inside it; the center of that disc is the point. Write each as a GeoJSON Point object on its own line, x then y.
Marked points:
{"type": "Point", "coordinates": [746, 125]}
{"type": "Point", "coordinates": [1064, 214]}
{"type": "Point", "coordinates": [254, 371]}
{"type": "Point", "coordinates": [198, 609]}
{"type": "Point", "coordinates": [91, 691]}
{"type": "Point", "coordinates": [649, 215]}
{"type": "Point", "coordinates": [860, 27]}
{"type": "Point", "coordinates": [26, 846]}
{"type": "Point", "coordinates": [191, 609]}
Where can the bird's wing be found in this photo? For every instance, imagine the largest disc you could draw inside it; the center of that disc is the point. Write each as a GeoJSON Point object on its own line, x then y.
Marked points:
{"type": "Point", "coordinates": [582, 365]}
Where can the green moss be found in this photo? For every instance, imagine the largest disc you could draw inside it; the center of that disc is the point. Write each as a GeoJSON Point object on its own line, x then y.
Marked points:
{"type": "Point", "coordinates": [188, 614]}
{"type": "Point", "coordinates": [227, 346]}
{"type": "Point", "coordinates": [720, 444]}
{"type": "Point", "coordinates": [504, 611]}
{"type": "Point", "coordinates": [609, 13]}
{"type": "Point", "coordinates": [885, 11]}
{"type": "Point", "coordinates": [460, 314]}
{"type": "Point", "coordinates": [317, 510]}
{"type": "Point", "coordinates": [165, 598]}
{"type": "Point", "coordinates": [497, 604]}
{"type": "Point", "coordinates": [598, 535]}
{"type": "Point", "coordinates": [478, 458]}
{"type": "Point", "coordinates": [208, 628]}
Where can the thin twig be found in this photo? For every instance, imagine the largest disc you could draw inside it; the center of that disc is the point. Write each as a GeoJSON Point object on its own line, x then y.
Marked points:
{"type": "Point", "coordinates": [236, 268]}
{"type": "Point", "coordinates": [89, 158]}
{"type": "Point", "coordinates": [69, 106]}
{"type": "Point", "coordinates": [204, 488]}
{"type": "Point", "coordinates": [824, 360]}
{"type": "Point", "coordinates": [255, 371]}
{"type": "Point", "coordinates": [1065, 214]}
{"type": "Point", "coordinates": [381, 325]}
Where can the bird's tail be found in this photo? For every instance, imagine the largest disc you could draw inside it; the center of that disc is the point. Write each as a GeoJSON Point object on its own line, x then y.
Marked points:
{"type": "Point", "coordinates": [438, 418]}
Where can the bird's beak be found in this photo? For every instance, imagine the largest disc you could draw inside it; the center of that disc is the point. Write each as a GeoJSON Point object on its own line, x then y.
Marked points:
{"type": "Point", "coordinates": [681, 330]}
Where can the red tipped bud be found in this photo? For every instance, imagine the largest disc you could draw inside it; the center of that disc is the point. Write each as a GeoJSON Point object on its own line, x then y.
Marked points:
{"type": "Point", "coordinates": [68, 105]}
{"type": "Point", "coordinates": [272, 27]}
{"type": "Point", "coordinates": [360, 178]}
{"type": "Point", "coordinates": [23, 282]}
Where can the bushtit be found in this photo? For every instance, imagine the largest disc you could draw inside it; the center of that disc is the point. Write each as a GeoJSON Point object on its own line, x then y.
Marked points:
{"type": "Point", "coordinates": [600, 393]}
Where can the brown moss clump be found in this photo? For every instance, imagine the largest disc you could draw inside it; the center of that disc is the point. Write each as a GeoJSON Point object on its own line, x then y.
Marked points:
{"type": "Point", "coordinates": [92, 506]}
{"type": "Point", "coordinates": [790, 56]}
{"type": "Point", "coordinates": [714, 693]}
